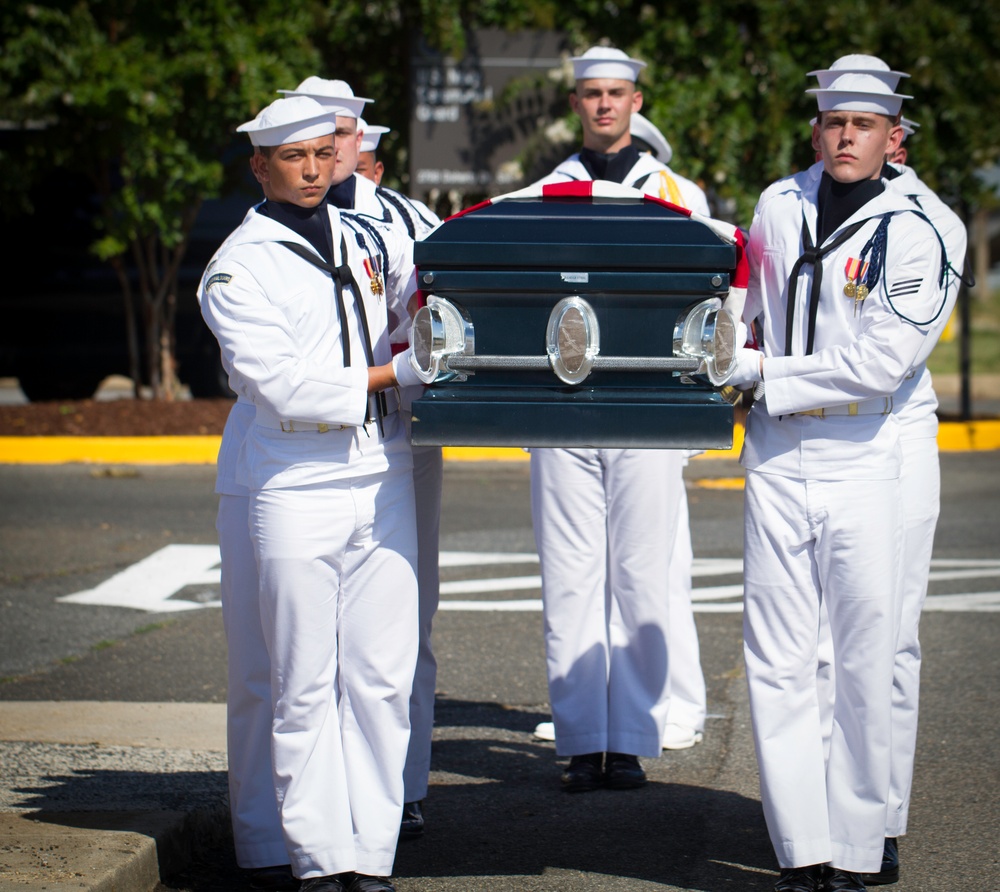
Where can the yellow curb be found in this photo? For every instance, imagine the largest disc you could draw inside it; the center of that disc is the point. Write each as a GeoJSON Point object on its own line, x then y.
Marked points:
{"type": "Point", "coordinates": [484, 453]}
{"type": "Point", "coordinates": [967, 436]}
{"type": "Point", "coordinates": [733, 452]}
{"type": "Point", "coordinates": [720, 482]}
{"type": "Point", "coordinates": [110, 450]}
{"type": "Point", "coordinates": [952, 437]}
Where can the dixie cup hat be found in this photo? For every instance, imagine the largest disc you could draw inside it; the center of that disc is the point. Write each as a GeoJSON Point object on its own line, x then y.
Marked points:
{"type": "Point", "coordinates": [909, 127]}
{"type": "Point", "coordinates": [606, 61]}
{"type": "Point", "coordinates": [289, 120]}
{"type": "Point", "coordinates": [371, 134]}
{"type": "Point", "coordinates": [335, 96]}
{"type": "Point", "coordinates": [642, 128]}
{"type": "Point", "coordinates": [858, 63]}
{"type": "Point", "coordinates": [859, 92]}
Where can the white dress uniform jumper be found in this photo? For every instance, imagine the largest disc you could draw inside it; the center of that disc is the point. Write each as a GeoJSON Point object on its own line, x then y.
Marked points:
{"type": "Point", "coordinates": [606, 523]}
{"type": "Point", "coordinates": [331, 517]}
{"type": "Point", "coordinates": [914, 406]}
{"type": "Point", "coordinates": [823, 523]}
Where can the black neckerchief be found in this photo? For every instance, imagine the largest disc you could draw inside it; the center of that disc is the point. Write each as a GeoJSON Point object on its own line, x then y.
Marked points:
{"type": "Point", "coordinates": [343, 195]}
{"type": "Point", "coordinates": [838, 202]}
{"type": "Point", "coordinates": [313, 224]}
{"type": "Point", "coordinates": [613, 167]}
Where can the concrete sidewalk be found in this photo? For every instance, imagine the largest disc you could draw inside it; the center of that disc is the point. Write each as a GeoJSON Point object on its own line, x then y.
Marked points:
{"type": "Point", "coordinates": [106, 796]}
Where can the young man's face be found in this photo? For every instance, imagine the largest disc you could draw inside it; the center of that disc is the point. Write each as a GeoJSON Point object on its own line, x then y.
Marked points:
{"type": "Point", "coordinates": [296, 173]}
{"type": "Point", "coordinates": [370, 168]}
{"type": "Point", "coordinates": [605, 107]}
{"type": "Point", "coordinates": [348, 142]}
{"type": "Point", "coordinates": [853, 145]}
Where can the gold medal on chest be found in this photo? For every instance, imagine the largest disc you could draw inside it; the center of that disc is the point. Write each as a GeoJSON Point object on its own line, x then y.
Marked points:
{"type": "Point", "coordinates": [854, 270]}
{"type": "Point", "coordinates": [374, 270]}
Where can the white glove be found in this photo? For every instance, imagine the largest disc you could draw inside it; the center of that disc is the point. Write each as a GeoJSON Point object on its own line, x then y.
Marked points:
{"type": "Point", "coordinates": [404, 367]}
{"type": "Point", "coordinates": [748, 368]}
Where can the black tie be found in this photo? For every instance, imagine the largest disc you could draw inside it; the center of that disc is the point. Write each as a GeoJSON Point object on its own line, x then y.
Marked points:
{"type": "Point", "coordinates": [814, 256]}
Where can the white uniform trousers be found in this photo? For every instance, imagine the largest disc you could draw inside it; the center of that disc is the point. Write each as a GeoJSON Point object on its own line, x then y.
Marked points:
{"type": "Point", "coordinates": [687, 681]}
{"type": "Point", "coordinates": [920, 483]}
{"type": "Point", "coordinates": [337, 565]}
{"type": "Point", "coordinates": [256, 828]}
{"type": "Point", "coordinates": [428, 471]}
{"type": "Point", "coordinates": [839, 541]}
{"type": "Point", "coordinates": [605, 523]}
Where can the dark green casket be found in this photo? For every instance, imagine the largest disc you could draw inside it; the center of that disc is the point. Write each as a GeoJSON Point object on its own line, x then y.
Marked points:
{"type": "Point", "coordinates": [572, 319]}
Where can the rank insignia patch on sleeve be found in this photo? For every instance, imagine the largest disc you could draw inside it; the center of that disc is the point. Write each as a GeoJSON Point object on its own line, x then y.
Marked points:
{"type": "Point", "coordinates": [218, 278]}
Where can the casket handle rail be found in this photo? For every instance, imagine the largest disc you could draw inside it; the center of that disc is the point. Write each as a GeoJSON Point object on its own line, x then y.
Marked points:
{"type": "Point", "coordinates": [462, 363]}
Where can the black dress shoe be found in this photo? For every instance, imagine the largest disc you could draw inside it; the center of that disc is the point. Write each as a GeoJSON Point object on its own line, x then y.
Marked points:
{"type": "Point", "coordinates": [889, 871]}
{"type": "Point", "coordinates": [837, 880]}
{"type": "Point", "coordinates": [362, 882]}
{"type": "Point", "coordinates": [412, 825]}
{"type": "Point", "coordinates": [583, 773]}
{"type": "Point", "coordinates": [332, 883]}
{"type": "Point", "coordinates": [800, 879]}
{"type": "Point", "coordinates": [623, 772]}
{"type": "Point", "coordinates": [277, 878]}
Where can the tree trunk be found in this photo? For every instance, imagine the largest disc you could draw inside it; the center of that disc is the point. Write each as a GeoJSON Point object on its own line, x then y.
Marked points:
{"type": "Point", "coordinates": [131, 328]}
{"type": "Point", "coordinates": [981, 253]}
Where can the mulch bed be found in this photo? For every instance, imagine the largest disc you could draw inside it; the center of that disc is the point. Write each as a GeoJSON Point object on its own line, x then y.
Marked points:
{"type": "Point", "coordinates": [115, 418]}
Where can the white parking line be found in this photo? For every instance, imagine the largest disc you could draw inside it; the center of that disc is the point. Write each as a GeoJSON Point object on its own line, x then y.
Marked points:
{"type": "Point", "coordinates": [156, 583]}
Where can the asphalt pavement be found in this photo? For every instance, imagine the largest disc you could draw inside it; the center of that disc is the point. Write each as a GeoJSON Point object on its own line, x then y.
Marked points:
{"type": "Point", "coordinates": [112, 759]}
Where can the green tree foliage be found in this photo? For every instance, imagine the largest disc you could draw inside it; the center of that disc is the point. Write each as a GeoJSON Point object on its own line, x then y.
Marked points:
{"type": "Point", "coordinates": [726, 81]}
{"type": "Point", "coordinates": [142, 99]}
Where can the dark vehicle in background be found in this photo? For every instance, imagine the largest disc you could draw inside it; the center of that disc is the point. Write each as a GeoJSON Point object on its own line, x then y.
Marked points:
{"type": "Point", "coordinates": [64, 324]}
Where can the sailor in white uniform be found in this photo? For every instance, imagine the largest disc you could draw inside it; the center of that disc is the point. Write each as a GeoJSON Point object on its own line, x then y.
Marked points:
{"type": "Point", "coordinates": [355, 192]}
{"type": "Point", "coordinates": [370, 166]}
{"type": "Point", "coordinates": [428, 471]}
{"type": "Point", "coordinates": [327, 465]}
{"type": "Point", "coordinates": [257, 838]}
{"type": "Point", "coordinates": [845, 279]}
{"type": "Point", "coordinates": [915, 408]}
{"type": "Point", "coordinates": [352, 190]}
{"type": "Point", "coordinates": [605, 520]}
{"type": "Point", "coordinates": [686, 715]}
{"type": "Point", "coordinates": [602, 117]}
{"type": "Point", "coordinates": [687, 708]}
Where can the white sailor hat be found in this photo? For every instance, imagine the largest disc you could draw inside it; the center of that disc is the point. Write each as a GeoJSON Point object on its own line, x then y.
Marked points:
{"type": "Point", "coordinates": [909, 127]}
{"type": "Point", "coordinates": [371, 135]}
{"type": "Point", "coordinates": [332, 95]}
{"type": "Point", "coordinates": [858, 63]}
{"type": "Point", "coordinates": [859, 92]}
{"type": "Point", "coordinates": [642, 128]}
{"type": "Point", "coordinates": [289, 120]}
{"type": "Point", "coordinates": [606, 61]}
